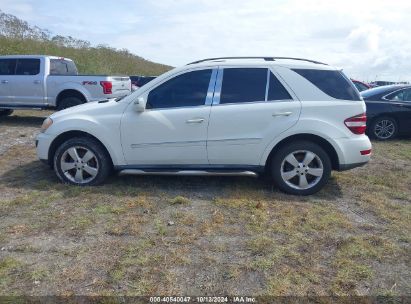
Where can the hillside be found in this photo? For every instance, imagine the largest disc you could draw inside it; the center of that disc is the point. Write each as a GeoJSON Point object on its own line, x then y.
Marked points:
{"type": "Point", "coordinates": [18, 37]}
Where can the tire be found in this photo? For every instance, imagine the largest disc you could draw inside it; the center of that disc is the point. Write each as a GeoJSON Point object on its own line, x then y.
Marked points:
{"type": "Point", "coordinates": [69, 102]}
{"type": "Point", "coordinates": [5, 112]}
{"type": "Point", "coordinates": [290, 177]}
{"type": "Point", "coordinates": [85, 172]}
{"type": "Point", "coordinates": [383, 128]}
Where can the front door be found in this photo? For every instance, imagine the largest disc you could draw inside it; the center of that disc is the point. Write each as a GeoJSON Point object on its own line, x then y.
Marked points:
{"type": "Point", "coordinates": [173, 128]}
{"type": "Point", "coordinates": [7, 68]}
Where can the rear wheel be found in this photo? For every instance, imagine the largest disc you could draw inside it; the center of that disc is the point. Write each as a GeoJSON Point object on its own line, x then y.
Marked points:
{"type": "Point", "coordinates": [301, 168]}
{"type": "Point", "coordinates": [69, 102]}
{"type": "Point", "coordinates": [5, 112]}
{"type": "Point", "coordinates": [82, 161]}
{"type": "Point", "coordinates": [384, 128]}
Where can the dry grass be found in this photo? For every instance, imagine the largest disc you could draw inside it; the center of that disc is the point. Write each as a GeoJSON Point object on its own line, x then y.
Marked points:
{"type": "Point", "coordinates": [201, 235]}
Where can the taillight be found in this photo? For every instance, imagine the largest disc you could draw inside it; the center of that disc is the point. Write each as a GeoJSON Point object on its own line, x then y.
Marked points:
{"type": "Point", "coordinates": [107, 87]}
{"type": "Point", "coordinates": [357, 124]}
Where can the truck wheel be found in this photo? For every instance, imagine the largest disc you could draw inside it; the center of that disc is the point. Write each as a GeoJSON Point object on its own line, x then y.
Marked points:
{"type": "Point", "coordinates": [5, 112]}
{"type": "Point", "coordinates": [301, 168]}
{"type": "Point", "coordinates": [69, 102]}
{"type": "Point", "coordinates": [82, 161]}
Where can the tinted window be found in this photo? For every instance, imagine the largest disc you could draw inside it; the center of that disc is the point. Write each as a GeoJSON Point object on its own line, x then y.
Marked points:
{"type": "Point", "coordinates": [189, 89]}
{"type": "Point", "coordinates": [403, 95]}
{"type": "Point", "coordinates": [28, 67]}
{"type": "Point", "coordinates": [62, 67]}
{"type": "Point", "coordinates": [360, 87]}
{"type": "Point", "coordinates": [7, 66]}
{"type": "Point", "coordinates": [276, 90]}
{"type": "Point", "coordinates": [243, 85]}
{"type": "Point", "coordinates": [332, 83]}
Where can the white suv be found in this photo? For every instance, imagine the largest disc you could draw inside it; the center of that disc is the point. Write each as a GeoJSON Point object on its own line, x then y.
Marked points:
{"type": "Point", "coordinates": [292, 118]}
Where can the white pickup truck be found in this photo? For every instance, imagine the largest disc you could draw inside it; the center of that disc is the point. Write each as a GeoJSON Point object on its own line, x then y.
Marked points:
{"type": "Point", "coordinates": [43, 82]}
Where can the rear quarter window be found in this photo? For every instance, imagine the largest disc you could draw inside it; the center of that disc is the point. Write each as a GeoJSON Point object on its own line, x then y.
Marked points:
{"type": "Point", "coordinates": [332, 83]}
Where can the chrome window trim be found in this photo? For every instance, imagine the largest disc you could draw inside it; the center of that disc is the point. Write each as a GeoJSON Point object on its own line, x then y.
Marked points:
{"type": "Point", "coordinates": [218, 86]}
{"type": "Point", "coordinates": [267, 84]}
{"type": "Point", "coordinates": [211, 87]}
{"type": "Point", "coordinates": [252, 102]}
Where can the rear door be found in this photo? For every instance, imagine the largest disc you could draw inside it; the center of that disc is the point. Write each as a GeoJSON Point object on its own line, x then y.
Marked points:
{"type": "Point", "coordinates": [401, 108]}
{"type": "Point", "coordinates": [251, 106]}
{"type": "Point", "coordinates": [27, 85]}
{"type": "Point", "coordinates": [7, 68]}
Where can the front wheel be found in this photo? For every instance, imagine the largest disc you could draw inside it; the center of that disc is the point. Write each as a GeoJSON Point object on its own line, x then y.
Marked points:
{"type": "Point", "coordinates": [301, 168]}
{"type": "Point", "coordinates": [82, 161]}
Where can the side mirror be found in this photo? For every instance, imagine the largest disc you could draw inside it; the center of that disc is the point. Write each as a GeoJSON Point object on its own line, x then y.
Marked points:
{"type": "Point", "coordinates": [140, 104]}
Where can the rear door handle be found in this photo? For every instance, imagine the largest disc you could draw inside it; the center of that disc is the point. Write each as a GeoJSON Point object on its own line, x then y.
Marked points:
{"type": "Point", "coordinates": [276, 114]}
{"type": "Point", "coordinates": [195, 120]}
{"type": "Point", "coordinates": [4, 81]}
{"type": "Point", "coordinates": [36, 81]}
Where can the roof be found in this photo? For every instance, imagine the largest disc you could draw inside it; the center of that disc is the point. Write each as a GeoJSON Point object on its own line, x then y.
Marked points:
{"type": "Point", "coordinates": [33, 56]}
{"type": "Point", "coordinates": [289, 62]}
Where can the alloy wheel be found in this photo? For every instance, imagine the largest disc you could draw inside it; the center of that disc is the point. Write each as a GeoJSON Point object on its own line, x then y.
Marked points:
{"type": "Point", "coordinates": [302, 169]}
{"type": "Point", "coordinates": [79, 164]}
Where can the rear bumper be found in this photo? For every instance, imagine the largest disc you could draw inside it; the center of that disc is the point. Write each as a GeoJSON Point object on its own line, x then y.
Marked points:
{"type": "Point", "coordinates": [352, 152]}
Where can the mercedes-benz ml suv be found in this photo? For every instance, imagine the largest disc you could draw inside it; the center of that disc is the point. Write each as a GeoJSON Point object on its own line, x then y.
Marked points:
{"type": "Point", "coordinates": [293, 119]}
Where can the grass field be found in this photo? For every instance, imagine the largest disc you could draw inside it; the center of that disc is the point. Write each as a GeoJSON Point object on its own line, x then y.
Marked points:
{"type": "Point", "coordinates": [201, 235]}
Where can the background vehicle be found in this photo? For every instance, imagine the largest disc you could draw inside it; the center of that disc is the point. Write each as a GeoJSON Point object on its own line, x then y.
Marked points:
{"type": "Point", "coordinates": [294, 119]}
{"type": "Point", "coordinates": [139, 81]}
{"type": "Point", "coordinates": [31, 81]}
{"type": "Point", "coordinates": [361, 86]}
{"type": "Point", "coordinates": [388, 111]}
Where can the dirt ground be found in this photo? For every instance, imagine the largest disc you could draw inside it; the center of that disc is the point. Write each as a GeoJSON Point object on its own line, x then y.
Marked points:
{"type": "Point", "coordinates": [201, 235]}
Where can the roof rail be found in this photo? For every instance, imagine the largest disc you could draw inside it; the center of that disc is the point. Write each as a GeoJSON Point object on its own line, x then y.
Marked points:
{"type": "Point", "coordinates": [258, 57]}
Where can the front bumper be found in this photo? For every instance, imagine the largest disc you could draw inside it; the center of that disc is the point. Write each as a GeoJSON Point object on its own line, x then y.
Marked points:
{"type": "Point", "coordinates": [43, 143]}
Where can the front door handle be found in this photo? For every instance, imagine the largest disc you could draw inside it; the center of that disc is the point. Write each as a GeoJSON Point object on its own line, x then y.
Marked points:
{"type": "Point", "coordinates": [282, 114]}
{"type": "Point", "coordinates": [4, 81]}
{"type": "Point", "coordinates": [195, 120]}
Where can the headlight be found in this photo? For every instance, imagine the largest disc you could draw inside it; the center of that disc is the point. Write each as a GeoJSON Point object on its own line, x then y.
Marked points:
{"type": "Point", "coordinates": [46, 124]}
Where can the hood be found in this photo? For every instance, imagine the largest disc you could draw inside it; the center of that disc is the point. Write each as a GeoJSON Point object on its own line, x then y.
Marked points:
{"type": "Point", "coordinates": [93, 108]}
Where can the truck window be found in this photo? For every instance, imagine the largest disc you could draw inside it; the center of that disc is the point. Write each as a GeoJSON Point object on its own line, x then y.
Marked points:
{"type": "Point", "coordinates": [62, 67]}
{"type": "Point", "coordinates": [28, 67]}
{"type": "Point", "coordinates": [7, 66]}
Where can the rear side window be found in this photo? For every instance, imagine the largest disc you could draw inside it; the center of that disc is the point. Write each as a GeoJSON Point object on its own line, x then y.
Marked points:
{"type": "Point", "coordinates": [332, 83]}
{"type": "Point", "coordinates": [62, 67]}
{"type": "Point", "coordinates": [276, 90]}
{"type": "Point", "coordinates": [189, 89]}
{"type": "Point", "coordinates": [243, 85]}
{"type": "Point", "coordinates": [7, 66]}
{"type": "Point", "coordinates": [403, 95]}
{"type": "Point", "coordinates": [28, 67]}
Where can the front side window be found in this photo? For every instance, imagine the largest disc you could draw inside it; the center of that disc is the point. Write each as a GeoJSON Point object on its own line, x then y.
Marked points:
{"type": "Point", "coordinates": [185, 90]}
{"type": "Point", "coordinates": [7, 66]}
{"type": "Point", "coordinates": [243, 85]}
{"type": "Point", "coordinates": [332, 83]}
{"type": "Point", "coordinates": [28, 67]}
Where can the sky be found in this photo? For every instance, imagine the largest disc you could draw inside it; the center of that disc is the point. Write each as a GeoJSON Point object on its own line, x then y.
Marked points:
{"type": "Point", "coordinates": [370, 40]}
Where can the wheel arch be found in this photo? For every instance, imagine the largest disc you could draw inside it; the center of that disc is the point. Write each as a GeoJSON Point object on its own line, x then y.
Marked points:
{"type": "Point", "coordinates": [70, 93]}
{"type": "Point", "coordinates": [324, 143]}
{"type": "Point", "coordinates": [68, 135]}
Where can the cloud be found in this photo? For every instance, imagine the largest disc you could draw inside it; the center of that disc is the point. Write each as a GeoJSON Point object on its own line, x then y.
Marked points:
{"type": "Point", "coordinates": [367, 38]}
